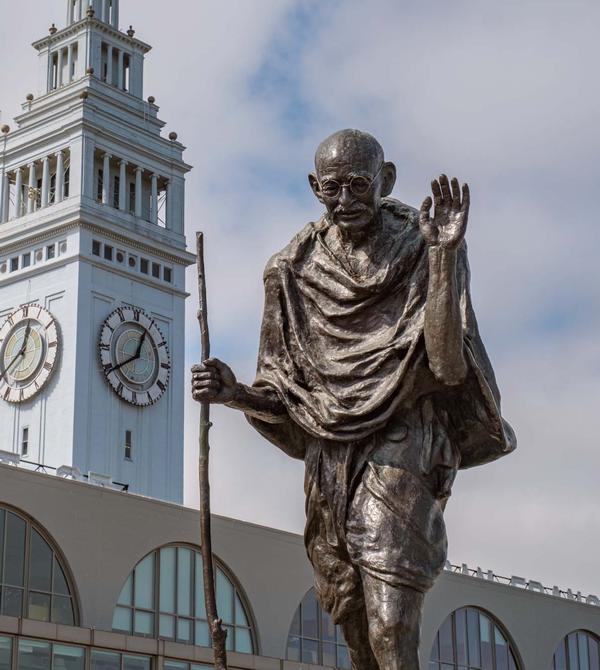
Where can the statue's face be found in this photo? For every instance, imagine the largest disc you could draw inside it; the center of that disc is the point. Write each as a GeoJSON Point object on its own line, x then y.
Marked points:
{"type": "Point", "coordinates": [351, 178]}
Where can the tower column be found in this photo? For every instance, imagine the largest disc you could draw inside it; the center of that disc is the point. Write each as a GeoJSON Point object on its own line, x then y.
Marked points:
{"type": "Point", "coordinates": [46, 181]}
{"type": "Point", "coordinates": [4, 210]}
{"type": "Point", "coordinates": [105, 10]}
{"type": "Point", "coordinates": [70, 63]}
{"type": "Point", "coordinates": [60, 177]}
{"type": "Point", "coordinates": [106, 179]}
{"type": "Point", "coordinates": [138, 191]}
{"type": "Point", "coordinates": [120, 69]}
{"type": "Point", "coordinates": [169, 206]}
{"type": "Point", "coordinates": [19, 193]}
{"type": "Point", "coordinates": [32, 186]}
{"type": "Point", "coordinates": [59, 73]}
{"type": "Point", "coordinates": [123, 186]}
{"type": "Point", "coordinates": [109, 64]}
{"type": "Point", "coordinates": [154, 199]}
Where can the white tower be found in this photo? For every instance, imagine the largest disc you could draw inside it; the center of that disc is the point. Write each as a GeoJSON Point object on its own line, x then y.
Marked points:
{"type": "Point", "coordinates": [92, 265]}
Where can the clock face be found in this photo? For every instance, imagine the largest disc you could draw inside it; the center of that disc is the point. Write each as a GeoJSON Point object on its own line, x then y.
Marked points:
{"type": "Point", "coordinates": [134, 356]}
{"type": "Point", "coordinates": [29, 349]}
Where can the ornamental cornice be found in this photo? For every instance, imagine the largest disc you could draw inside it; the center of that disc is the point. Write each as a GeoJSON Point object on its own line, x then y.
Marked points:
{"type": "Point", "coordinates": [185, 258]}
{"type": "Point", "coordinates": [86, 23]}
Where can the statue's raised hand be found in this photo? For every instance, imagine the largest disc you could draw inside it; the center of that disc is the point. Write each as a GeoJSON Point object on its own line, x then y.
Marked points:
{"type": "Point", "coordinates": [447, 227]}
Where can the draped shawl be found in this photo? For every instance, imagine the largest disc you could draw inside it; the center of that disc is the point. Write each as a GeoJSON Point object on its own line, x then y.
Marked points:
{"type": "Point", "coordinates": [345, 350]}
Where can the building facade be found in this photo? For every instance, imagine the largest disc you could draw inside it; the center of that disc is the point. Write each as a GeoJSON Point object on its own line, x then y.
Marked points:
{"type": "Point", "coordinates": [92, 265]}
{"type": "Point", "coordinates": [128, 592]}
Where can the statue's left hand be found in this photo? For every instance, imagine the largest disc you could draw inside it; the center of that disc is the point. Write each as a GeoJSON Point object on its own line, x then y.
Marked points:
{"type": "Point", "coordinates": [447, 227]}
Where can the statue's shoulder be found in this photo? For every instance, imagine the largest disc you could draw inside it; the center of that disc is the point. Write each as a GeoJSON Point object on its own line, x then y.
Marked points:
{"type": "Point", "coordinates": [295, 248]}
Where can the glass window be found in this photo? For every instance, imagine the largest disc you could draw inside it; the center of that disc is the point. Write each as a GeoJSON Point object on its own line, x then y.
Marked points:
{"type": "Point", "coordinates": [144, 266]}
{"type": "Point", "coordinates": [156, 270]}
{"type": "Point", "coordinates": [313, 638]}
{"type": "Point", "coordinates": [5, 652]}
{"type": "Point", "coordinates": [34, 655]}
{"type": "Point", "coordinates": [168, 275]}
{"type": "Point", "coordinates": [175, 609]}
{"type": "Point", "coordinates": [470, 640]}
{"type": "Point", "coordinates": [578, 651]}
{"type": "Point", "coordinates": [26, 260]}
{"type": "Point", "coordinates": [67, 658]}
{"type": "Point", "coordinates": [96, 246]}
{"type": "Point", "coordinates": [50, 251]}
{"type": "Point", "coordinates": [14, 264]}
{"type": "Point", "coordinates": [41, 592]}
{"type": "Point", "coordinates": [108, 252]}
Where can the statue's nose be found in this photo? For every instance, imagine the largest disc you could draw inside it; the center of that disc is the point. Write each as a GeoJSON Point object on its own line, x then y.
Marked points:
{"type": "Point", "coordinates": [346, 197]}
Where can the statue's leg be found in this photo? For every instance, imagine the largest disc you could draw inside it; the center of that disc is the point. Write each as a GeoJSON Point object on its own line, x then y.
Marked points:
{"type": "Point", "coordinates": [394, 619]}
{"type": "Point", "coordinates": [356, 634]}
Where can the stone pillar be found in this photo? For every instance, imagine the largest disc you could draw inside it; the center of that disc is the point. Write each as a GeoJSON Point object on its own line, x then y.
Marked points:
{"type": "Point", "coordinates": [59, 73]}
{"type": "Point", "coordinates": [154, 200]}
{"type": "Point", "coordinates": [115, 14]}
{"type": "Point", "coordinates": [106, 10]}
{"type": "Point", "coordinates": [46, 181]}
{"type": "Point", "coordinates": [19, 193]}
{"type": "Point", "coordinates": [4, 209]}
{"type": "Point", "coordinates": [123, 186]}
{"type": "Point", "coordinates": [32, 185]}
{"type": "Point", "coordinates": [120, 78]}
{"type": "Point", "coordinates": [106, 180]}
{"type": "Point", "coordinates": [60, 177]}
{"type": "Point", "coordinates": [138, 191]}
{"type": "Point", "coordinates": [109, 64]}
{"type": "Point", "coordinates": [169, 206]}
{"type": "Point", "coordinates": [70, 63]}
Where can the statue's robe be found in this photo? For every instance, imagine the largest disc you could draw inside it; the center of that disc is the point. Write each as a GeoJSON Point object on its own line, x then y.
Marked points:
{"type": "Point", "coordinates": [381, 438]}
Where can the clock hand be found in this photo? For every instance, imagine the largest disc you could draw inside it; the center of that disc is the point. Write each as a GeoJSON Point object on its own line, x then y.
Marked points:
{"type": "Point", "coordinates": [21, 353]}
{"type": "Point", "coordinates": [131, 358]}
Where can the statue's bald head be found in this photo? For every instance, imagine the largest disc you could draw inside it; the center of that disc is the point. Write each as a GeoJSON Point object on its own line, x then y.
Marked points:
{"type": "Point", "coordinates": [351, 147]}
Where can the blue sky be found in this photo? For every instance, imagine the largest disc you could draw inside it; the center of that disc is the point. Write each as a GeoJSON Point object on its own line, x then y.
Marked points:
{"type": "Point", "coordinates": [502, 95]}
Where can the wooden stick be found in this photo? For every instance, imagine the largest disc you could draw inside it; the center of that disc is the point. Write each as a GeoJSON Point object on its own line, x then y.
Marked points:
{"type": "Point", "coordinates": [218, 634]}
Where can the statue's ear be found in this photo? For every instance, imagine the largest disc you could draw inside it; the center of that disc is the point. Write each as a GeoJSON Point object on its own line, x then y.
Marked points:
{"type": "Point", "coordinates": [314, 184]}
{"type": "Point", "coordinates": [388, 179]}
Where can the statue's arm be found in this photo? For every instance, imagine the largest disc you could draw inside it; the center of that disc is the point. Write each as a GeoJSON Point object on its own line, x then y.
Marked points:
{"type": "Point", "coordinates": [443, 233]}
{"type": "Point", "coordinates": [213, 381]}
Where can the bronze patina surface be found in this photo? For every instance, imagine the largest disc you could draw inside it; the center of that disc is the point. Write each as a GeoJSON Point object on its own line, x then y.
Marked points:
{"type": "Point", "coordinates": [371, 369]}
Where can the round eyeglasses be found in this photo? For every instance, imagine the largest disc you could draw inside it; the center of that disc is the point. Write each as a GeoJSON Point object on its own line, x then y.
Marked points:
{"type": "Point", "coordinates": [358, 185]}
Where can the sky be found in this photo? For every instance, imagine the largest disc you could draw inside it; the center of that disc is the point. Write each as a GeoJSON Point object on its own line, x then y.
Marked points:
{"type": "Point", "coordinates": [502, 95]}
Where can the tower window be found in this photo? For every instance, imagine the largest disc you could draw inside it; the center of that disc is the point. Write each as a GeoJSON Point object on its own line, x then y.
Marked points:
{"type": "Point", "coordinates": [108, 252]}
{"type": "Point", "coordinates": [99, 185]}
{"type": "Point", "coordinates": [156, 270]}
{"type": "Point", "coordinates": [95, 248]}
{"type": "Point", "coordinates": [132, 198]}
{"type": "Point", "coordinates": [50, 252]}
{"type": "Point", "coordinates": [144, 265]}
{"type": "Point", "coordinates": [128, 445]}
{"type": "Point", "coordinates": [26, 260]}
{"type": "Point", "coordinates": [66, 182]}
{"type": "Point", "coordinates": [14, 264]}
{"type": "Point", "coordinates": [168, 275]}
{"type": "Point", "coordinates": [25, 441]}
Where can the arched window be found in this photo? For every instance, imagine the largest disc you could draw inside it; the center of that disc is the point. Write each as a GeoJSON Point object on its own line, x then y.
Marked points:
{"type": "Point", "coordinates": [33, 581]}
{"type": "Point", "coordinates": [164, 598]}
{"type": "Point", "coordinates": [578, 651]}
{"type": "Point", "coordinates": [468, 640]}
{"type": "Point", "coordinates": [314, 638]}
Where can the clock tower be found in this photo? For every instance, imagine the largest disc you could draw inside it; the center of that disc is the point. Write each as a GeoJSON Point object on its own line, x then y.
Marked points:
{"type": "Point", "coordinates": [92, 265]}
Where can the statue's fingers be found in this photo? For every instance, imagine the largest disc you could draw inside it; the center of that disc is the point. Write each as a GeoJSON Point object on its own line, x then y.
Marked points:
{"type": "Point", "coordinates": [424, 211]}
{"type": "Point", "coordinates": [210, 384]}
{"type": "Point", "coordinates": [208, 374]}
{"type": "Point", "coordinates": [198, 367]}
{"type": "Point", "coordinates": [437, 192]}
{"type": "Point", "coordinates": [466, 198]}
{"type": "Point", "coordinates": [445, 185]}
{"type": "Point", "coordinates": [455, 193]}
